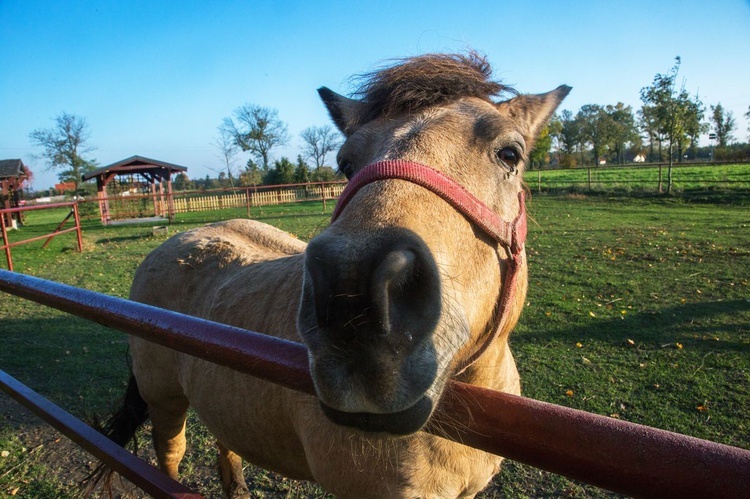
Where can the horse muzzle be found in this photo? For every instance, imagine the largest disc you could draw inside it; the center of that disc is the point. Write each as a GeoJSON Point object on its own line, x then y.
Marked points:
{"type": "Point", "coordinates": [370, 305]}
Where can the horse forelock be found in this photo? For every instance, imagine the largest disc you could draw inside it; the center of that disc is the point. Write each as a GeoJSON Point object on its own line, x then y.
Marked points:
{"type": "Point", "coordinates": [416, 83]}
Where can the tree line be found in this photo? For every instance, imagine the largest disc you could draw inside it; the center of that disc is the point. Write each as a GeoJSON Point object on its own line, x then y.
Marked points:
{"type": "Point", "coordinates": [665, 129]}
{"type": "Point", "coordinates": [253, 129]}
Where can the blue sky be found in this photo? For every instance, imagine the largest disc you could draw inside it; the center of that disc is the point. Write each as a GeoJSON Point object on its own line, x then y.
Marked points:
{"type": "Point", "coordinates": [157, 78]}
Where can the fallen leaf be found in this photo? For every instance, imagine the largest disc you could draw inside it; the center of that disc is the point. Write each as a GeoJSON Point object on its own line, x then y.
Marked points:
{"type": "Point", "coordinates": [579, 345]}
{"type": "Point", "coordinates": [592, 314]}
{"type": "Point", "coordinates": [679, 345]}
{"type": "Point", "coordinates": [631, 342]}
{"type": "Point", "coordinates": [569, 393]}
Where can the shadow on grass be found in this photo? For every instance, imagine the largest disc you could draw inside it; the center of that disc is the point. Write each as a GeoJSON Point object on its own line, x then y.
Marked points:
{"type": "Point", "coordinates": [77, 364]}
{"type": "Point", "coordinates": [686, 322]}
{"type": "Point", "coordinates": [122, 239]}
{"type": "Point", "coordinates": [708, 195]}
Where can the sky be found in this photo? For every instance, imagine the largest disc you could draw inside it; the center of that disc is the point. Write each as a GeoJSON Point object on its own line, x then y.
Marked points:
{"type": "Point", "coordinates": [156, 78]}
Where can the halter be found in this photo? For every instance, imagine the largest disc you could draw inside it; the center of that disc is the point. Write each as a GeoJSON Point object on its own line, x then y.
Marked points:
{"type": "Point", "coordinates": [510, 235]}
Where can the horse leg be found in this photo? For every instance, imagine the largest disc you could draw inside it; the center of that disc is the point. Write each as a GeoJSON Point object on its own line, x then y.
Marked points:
{"type": "Point", "coordinates": [232, 478]}
{"type": "Point", "coordinates": [169, 436]}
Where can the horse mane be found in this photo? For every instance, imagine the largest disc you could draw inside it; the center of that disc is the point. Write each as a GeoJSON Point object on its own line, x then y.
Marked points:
{"type": "Point", "coordinates": [415, 83]}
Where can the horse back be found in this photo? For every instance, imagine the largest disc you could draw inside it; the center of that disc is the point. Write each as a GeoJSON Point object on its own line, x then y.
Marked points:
{"type": "Point", "coordinates": [235, 272]}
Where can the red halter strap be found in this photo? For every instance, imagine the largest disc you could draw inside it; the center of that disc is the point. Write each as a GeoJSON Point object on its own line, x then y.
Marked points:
{"type": "Point", "coordinates": [510, 235]}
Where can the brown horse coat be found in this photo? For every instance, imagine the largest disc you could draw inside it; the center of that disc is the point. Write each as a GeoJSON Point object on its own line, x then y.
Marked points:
{"type": "Point", "coordinates": [389, 299]}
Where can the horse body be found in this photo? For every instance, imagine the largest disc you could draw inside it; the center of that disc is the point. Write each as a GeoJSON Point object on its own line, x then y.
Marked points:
{"type": "Point", "coordinates": [391, 300]}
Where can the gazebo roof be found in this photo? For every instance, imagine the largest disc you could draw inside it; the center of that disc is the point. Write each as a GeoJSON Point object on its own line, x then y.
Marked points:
{"type": "Point", "coordinates": [11, 168]}
{"type": "Point", "coordinates": [134, 164]}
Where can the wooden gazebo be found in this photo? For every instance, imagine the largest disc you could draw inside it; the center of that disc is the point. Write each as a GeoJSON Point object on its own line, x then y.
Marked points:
{"type": "Point", "coordinates": [13, 173]}
{"type": "Point", "coordinates": [154, 173]}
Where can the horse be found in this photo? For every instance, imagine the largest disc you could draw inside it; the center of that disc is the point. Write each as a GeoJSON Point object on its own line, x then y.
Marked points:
{"type": "Point", "coordinates": [418, 280]}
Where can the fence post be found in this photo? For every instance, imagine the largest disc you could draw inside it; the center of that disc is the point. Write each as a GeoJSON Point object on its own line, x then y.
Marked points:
{"type": "Point", "coordinates": [77, 219]}
{"type": "Point", "coordinates": [6, 244]}
{"type": "Point", "coordinates": [323, 194]}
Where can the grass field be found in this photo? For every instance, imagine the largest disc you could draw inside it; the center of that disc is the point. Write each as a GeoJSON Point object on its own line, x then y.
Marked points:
{"type": "Point", "coordinates": [699, 182]}
{"type": "Point", "coordinates": [638, 308]}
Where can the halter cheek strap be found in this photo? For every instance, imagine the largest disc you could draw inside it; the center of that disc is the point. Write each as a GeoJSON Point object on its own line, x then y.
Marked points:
{"type": "Point", "coordinates": [510, 235]}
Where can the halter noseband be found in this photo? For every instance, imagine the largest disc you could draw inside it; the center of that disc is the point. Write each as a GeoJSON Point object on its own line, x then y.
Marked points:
{"type": "Point", "coordinates": [510, 235]}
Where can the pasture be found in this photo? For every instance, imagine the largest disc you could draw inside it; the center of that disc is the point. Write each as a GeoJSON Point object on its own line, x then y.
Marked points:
{"type": "Point", "coordinates": [638, 308]}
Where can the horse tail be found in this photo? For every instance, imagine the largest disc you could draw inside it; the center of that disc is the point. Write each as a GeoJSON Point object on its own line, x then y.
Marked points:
{"type": "Point", "coordinates": [121, 428]}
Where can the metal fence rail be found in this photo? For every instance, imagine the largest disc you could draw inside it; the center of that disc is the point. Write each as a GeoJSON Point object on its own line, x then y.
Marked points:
{"type": "Point", "coordinates": [7, 245]}
{"type": "Point", "coordinates": [610, 453]}
{"type": "Point", "coordinates": [142, 474]}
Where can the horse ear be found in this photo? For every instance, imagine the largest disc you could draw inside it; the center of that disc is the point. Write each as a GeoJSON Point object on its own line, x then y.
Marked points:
{"type": "Point", "coordinates": [532, 111]}
{"type": "Point", "coordinates": [344, 112]}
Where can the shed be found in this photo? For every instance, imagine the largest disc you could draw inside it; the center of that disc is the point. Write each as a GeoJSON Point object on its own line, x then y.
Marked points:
{"type": "Point", "coordinates": [13, 173]}
{"type": "Point", "coordinates": [156, 175]}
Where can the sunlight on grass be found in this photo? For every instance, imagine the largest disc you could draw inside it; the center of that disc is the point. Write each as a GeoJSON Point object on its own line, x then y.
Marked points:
{"type": "Point", "coordinates": [638, 309]}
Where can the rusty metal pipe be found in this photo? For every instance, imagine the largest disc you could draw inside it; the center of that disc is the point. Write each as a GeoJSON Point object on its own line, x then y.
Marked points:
{"type": "Point", "coordinates": [142, 474]}
{"type": "Point", "coordinates": [613, 454]}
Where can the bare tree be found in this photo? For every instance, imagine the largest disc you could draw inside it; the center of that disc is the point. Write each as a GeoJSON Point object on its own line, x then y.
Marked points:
{"type": "Point", "coordinates": [228, 149]}
{"type": "Point", "coordinates": [64, 145]}
{"type": "Point", "coordinates": [257, 129]}
{"type": "Point", "coordinates": [318, 142]}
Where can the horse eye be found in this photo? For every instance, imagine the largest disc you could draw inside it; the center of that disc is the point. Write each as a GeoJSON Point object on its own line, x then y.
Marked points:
{"type": "Point", "coordinates": [508, 157]}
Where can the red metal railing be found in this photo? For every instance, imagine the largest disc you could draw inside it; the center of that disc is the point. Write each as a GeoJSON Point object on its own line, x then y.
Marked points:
{"type": "Point", "coordinates": [59, 230]}
{"type": "Point", "coordinates": [142, 474]}
{"type": "Point", "coordinates": [610, 453]}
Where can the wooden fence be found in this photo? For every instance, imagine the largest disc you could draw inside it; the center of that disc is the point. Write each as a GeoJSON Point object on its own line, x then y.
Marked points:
{"type": "Point", "coordinates": [256, 196]}
{"type": "Point", "coordinates": [135, 207]}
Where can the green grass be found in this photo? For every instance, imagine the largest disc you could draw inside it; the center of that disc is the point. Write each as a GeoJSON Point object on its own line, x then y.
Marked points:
{"type": "Point", "coordinates": [689, 180]}
{"type": "Point", "coordinates": [638, 308]}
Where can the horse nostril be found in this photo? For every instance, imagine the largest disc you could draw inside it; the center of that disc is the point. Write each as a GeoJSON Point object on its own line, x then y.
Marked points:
{"type": "Point", "coordinates": [391, 278]}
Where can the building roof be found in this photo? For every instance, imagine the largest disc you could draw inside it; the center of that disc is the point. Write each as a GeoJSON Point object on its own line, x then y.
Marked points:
{"type": "Point", "coordinates": [11, 168]}
{"type": "Point", "coordinates": [134, 164]}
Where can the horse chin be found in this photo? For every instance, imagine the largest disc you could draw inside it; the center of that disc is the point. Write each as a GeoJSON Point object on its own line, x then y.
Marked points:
{"type": "Point", "coordinates": [399, 423]}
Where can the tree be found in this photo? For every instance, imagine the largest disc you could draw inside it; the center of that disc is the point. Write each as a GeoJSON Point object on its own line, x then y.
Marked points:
{"type": "Point", "coordinates": [64, 146]}
{"type": "Point", "coordinates": [747, 116]}
{"type": "Point", "coordinates": [281, 173]}
{"type": "Point", "coordinates": [251, 175]}
{"type": "Point", "coordinates": [228, 149]}
{"type": "Point", "coordinates": [257, 129]}
{"type": "Point", "coordinates": [301, 171]}
{"type": "Point", "coordinates": [539, 156]}
{"type": "Point", "coordinates": [181, 182]}
{"type": "Point", "coordinates": [723, 124]}
{"type": "Point", "coordinates": [621, 129]}
{"type": "Point", "coordinates": [596, 128]}
{"type": "Point", "coordinates": [671, 112]}
{"type": "Point", "coordinates": [318, 142]}
{"type": "Point", "coordinates": [568, 138]}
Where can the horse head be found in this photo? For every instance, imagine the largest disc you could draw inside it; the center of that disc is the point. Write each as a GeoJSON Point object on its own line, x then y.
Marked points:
{"type": "Point", "coordinates": [421, 275]}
